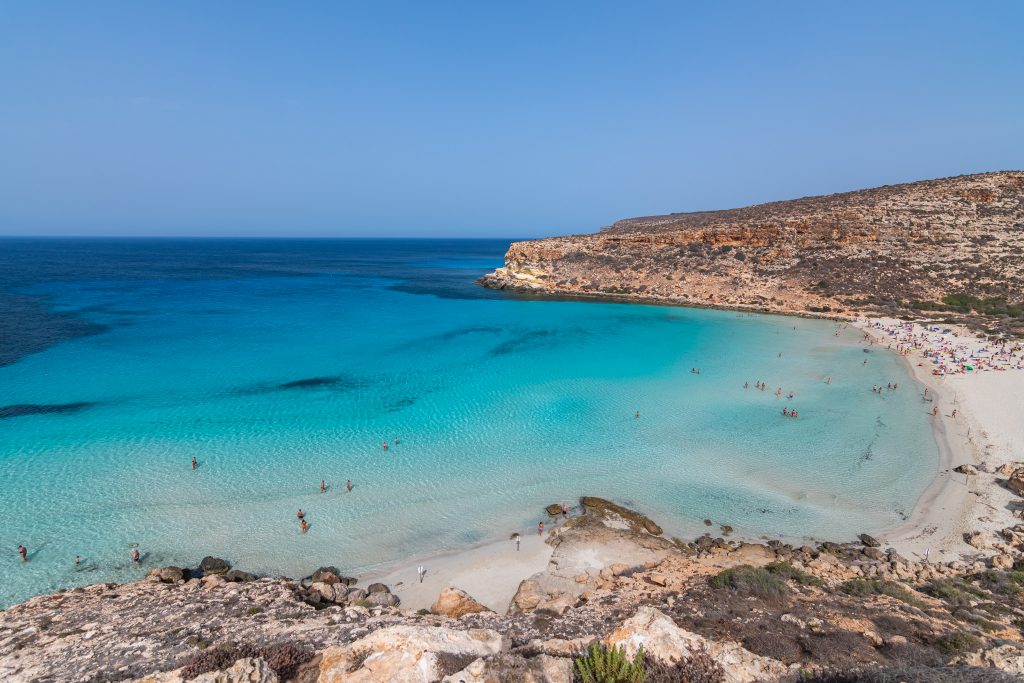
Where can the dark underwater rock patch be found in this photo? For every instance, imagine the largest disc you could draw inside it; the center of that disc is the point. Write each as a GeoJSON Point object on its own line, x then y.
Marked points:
{"type": "Point", "coordinates": [24, 409]}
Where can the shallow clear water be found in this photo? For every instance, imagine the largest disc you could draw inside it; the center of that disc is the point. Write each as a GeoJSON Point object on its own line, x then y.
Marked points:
{"type": "Point", "coordinates": [278, 364]}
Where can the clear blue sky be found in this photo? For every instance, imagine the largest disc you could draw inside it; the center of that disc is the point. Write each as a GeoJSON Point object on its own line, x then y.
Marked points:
{"type": "Point", "coordinates": [484, 118]}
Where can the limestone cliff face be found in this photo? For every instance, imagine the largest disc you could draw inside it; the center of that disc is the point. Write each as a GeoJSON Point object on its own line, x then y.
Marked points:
{"type": "Point", "coordinates": [871, 250]}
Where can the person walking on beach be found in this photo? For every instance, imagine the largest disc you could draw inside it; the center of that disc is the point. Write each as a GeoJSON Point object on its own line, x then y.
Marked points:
{"type": "Point", "coordinates": [935, 411]}
{"type": "Point", "coordinates": [348, 486]}
{"type": "Point", "coordinates": [23, 551]}
{"type": "Point", "coordinates": [540, 529]}
{"type": "Point", "coordinates": [515, 537]}
{"type": "Point", "coordinates": [421, 571]}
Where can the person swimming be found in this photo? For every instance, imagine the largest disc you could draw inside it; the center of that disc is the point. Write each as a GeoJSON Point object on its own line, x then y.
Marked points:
{"type": "Point", "coordinates": [136, 557]}
{"type": "Point", "coordinates": [300, 514]}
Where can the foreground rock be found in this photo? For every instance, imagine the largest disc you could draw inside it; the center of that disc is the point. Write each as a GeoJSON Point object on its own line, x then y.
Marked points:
{"type": "Point", "coordinates": [659, 637]}
{"type": "Point", "coordinates": [453, 602]}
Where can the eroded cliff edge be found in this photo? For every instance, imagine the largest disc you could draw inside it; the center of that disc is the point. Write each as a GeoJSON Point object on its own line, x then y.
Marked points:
{"type": "Point", "coordinates": [949, 248]}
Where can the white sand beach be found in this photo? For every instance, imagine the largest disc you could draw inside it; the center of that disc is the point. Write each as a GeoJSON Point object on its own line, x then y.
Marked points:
{"type": "Point", "coordinates": [984, 383]}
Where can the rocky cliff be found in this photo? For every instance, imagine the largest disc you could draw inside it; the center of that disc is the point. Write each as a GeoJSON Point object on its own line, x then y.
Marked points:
{"type": "Point", "coordinates": [952, 248]}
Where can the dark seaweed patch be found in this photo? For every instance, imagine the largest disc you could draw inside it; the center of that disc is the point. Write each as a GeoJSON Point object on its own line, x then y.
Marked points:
{"type": "Point", "coordinates": [520, 343]}
{"type": "Point", "coordinates": [404, 402]}
{"type": "Point", "coordinates": [23, 409]}
{"type": "Point", "coordinates": [316, 382]}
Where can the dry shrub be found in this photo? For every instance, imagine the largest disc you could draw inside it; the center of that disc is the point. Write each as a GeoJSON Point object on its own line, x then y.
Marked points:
{"type": "Point", "coordinates": [699, 667]}
{"type": "Point", "coordinates": [284, 659]}
{"type": "Point", "coordinates": [774, 644]}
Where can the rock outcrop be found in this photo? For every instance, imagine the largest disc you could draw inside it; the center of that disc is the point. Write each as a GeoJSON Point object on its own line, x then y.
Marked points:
{"type": "Point", "coordinates": [454, 602]}
{"type": "Point", "coordinates": [659, 637]}
{"type": "Point", "coordinates": [898, 249]}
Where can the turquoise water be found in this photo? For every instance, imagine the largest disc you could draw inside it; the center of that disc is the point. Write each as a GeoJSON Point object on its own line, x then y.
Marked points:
{"type": "Point", "coordinates": [280, 364]}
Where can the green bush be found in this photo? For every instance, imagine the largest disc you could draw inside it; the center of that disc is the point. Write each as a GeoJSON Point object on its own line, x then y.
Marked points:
{"type": "Point", "coordinates": [862, 588]}
{"type": "Point", "coordinates": [959, 642]}
{"type": "Point", "coordinates": [601, 664]}
{"type": "Point", "coordinates": [756, 581]}
{"type": "Point", "coordinates": [788, 572]}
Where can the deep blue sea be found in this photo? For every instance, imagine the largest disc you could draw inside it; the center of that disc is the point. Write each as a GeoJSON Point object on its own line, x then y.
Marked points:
{"type": "Point", "coordinates": [279, 363]}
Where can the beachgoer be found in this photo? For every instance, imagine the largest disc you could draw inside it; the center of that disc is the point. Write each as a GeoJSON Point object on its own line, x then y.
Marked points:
{"type": "Point", "coordinates": [565, 507]}
{"type": "Point", "coordinates": [385, 445]}
{"type": "Point", "coordinates": [136, 558]}
{"type": "Point", "coordinates": [348, 486]}
{"type": "Point", "coordinates": [792, 413]}
{"type": "Point", "coordinates": [23, 551]}
{"type": "Point", "coordinates": [396, 440]}
{"type": "Point", "coordinates": [304, 526]}
{"type": "Point", "coordinates": [746, 385]}
{"type": "Point", "coordinates": [540, 529]}
{"type": "Point", "coordinates": [300, 514]}
{"type": "Point", "coordinates": [935, 410]}
{"type": "Point", "coordinates": [638, 414]}
{"type": "Point", "coordinates": [954, 413]}
{"type": "Point", "coordinates": [323, 486]}
{"type": "Point", "coordinates": [78, 559]}
{"type": "Point", "coordinates": [194, 463]}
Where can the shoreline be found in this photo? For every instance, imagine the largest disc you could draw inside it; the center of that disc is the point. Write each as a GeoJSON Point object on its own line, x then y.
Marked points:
{"type": "Point", "coordinates": [950, 507]}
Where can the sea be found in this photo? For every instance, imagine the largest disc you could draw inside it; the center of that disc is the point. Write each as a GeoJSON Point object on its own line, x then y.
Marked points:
{"type": "Point", "coordinates": [281, 363]}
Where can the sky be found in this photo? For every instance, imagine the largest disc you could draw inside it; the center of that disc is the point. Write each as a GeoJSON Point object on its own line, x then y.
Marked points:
{"type": "Point", "coordinates": [478, 119]}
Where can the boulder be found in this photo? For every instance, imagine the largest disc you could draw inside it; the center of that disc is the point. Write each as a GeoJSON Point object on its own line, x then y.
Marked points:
{"type": "Point", "coordinates": [1007, 658]}
{"type": "Point", "coordinates": [554, 509]}
{"type": "Point", "coordinates": [528, 596]}
{"type": "Point", "coordinates": [243, 671]}
{"type": "Point", "coordinates": [167, 574]}
{"type": "Point", "coordinates": [326, 575]}
{"type": "Point", "coordinates": [383, 599]}
{"type": "Point", "coordinates": [660, 637]}
{"type": "Point", "coordinates": [557, 603]}
{"type": "Point", "coordinates": [976, 539]}
{"type": "Point", "coordinates": [354, 595]}
{"type": "Point", "coordinates": [1007, 469]}
{"type": "Point", "coordinates": [453, 602]}
{"type": "Point", "coordinates": [404, 654]}
{"type": "Point", "coordinates": [324, 590]}
{"type": "Point", "coordinates": [1003, 561]}
{"type": "Point", "coordinates": [966, 469]}
{"type": "Point", "coordinates": [341, 592]}
{"type": "Point", "coordinates": [1016, 481]}
{"type": "Point", "coordinates": [377, 588]}
{"type": "Point", "coordinates": [213, 565]}
{"type": "Point", "coordinates": [239, 576]}
{"type": "Point", "coordinates": [869, 541]}
{"type": "Point", "coordinates": [873, 553]}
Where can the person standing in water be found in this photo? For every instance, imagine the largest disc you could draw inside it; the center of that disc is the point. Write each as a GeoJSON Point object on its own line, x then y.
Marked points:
{"type": "Point", "coordinates": [78, 560]}
{"type": "Point", "coordinates": [194, 463]}
{"type": "Point", "coordinates": [540, 529]}
{"type": "Point", "coordinates": [305, 527]}
{"type": "Point", "coordinates": [348, 486]}
{"type": "Point", "coordinates": [323, 486]}
{"type": "Point", "coordinates": [23, 551]}
{"type": "Point", "coordinates": [136, 558]}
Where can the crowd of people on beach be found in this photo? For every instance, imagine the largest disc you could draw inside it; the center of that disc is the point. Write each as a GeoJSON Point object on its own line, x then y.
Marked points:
{"type": "Point", "coordinates": [947, 348]}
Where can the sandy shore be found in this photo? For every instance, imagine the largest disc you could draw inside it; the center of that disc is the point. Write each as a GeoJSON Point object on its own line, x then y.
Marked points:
{"type": "Point", "coordinates": [988, 428]}
{"type": "Point", "coordinates": [491, 573]}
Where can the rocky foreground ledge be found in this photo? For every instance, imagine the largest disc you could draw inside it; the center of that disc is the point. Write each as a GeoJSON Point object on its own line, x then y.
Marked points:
{"type": "Point", "coordinates": [711, 610]}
